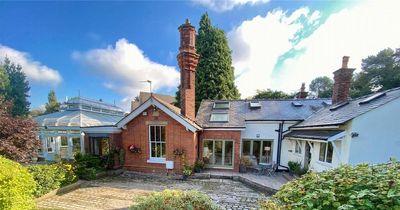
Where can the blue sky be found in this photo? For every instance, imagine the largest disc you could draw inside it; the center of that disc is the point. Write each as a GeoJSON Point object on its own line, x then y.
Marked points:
{"type": "Point", "coordinates": [103, 49]}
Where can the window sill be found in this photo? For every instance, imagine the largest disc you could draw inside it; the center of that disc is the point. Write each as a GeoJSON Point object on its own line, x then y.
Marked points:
{"type": "Point", "coordinates": [157, 160]}
{"type": "Point", "coordinates": [326, 164]}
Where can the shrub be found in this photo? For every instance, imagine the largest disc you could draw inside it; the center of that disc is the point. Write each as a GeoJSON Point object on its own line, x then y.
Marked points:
{"type": "Point", "coordinates": [199, 166]}
{"type": "Point", "coordinates": [89, 161]}
{"type": "Point", "coordinates": [86, 173]}
{"type": "Point", "coordinates": [296, 168]}
{"type": "Point", "coordinates": [69, 173]}
{"type": "Point", "coordinates": [174, 199]}
{"type": "Point", "coordinates": [346, 187]}
{"type": "Point", "coordinates": [16, 186]}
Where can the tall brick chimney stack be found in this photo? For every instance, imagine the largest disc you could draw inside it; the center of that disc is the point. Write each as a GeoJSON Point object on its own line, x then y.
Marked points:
{"type": "Point", "coordinates": [187, 60]}
{"type": "Point", "coordinates": [342, 77]}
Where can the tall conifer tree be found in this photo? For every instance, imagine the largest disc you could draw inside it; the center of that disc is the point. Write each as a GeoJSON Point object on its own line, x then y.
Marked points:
{"type": "Point", "coordinates": [52, 105]}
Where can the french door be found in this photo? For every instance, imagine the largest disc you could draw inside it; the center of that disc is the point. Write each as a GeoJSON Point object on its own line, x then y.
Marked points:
{"type": "Point", "coordinates": [218, 153]}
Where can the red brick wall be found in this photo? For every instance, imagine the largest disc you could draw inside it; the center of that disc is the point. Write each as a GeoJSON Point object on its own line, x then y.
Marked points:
{"type": "Point", "coordinates": [137, 133]}
{"type": "Point", "coordinates": [223, 135]}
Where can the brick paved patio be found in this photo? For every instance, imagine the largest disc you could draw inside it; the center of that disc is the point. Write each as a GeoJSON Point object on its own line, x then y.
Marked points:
{"type": "Point", "coordinates": [118, 192]}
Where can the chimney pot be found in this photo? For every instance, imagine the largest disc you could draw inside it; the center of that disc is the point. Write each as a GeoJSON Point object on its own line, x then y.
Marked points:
{"type": "Point", "coordinates": [345, 61]}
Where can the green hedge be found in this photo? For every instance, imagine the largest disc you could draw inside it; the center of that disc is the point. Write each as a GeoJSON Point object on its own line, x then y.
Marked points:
{"type": "Point", "coordinates": [51, 177]}
{"type": "Point", "coordinates": [359, 187]}
{"type": "Point", "coordinates": [87, 165]}
{"type": "Point", "coordinates": [174, 199]}
{"type": "Point", "coordinates": [16, 186]}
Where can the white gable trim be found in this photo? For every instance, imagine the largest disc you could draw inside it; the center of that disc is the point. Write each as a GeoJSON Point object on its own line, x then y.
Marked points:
{"type": "Point", "coordinates": [159, 105]}
{"type": "Point", "coordinates": [337, 136]}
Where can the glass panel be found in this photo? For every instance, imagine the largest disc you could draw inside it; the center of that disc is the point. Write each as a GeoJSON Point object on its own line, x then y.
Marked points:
{"type": "Point", "coordinates": [329, 153]}
{"type": "Point", "coordinates": [153, 150]}
{"type": "Point", "coordinates": [50, 144]}
{"type": "Point", "coordinates": [218, 153]}
{"type": "Point", "coordinates": [297, 148]}
{"type": "Point", "coordinates": [156, 133]}
{"type": "Point", "coordinates": [256, 150]}
{"type": "Point", "coordinates": [266, 152]}
{"type": "Point", "coordinates": [322, 149]}
{"type": "Point", "coordinates": [221, 105]}
{"type": "Point", "coordinates": [152, 129]}
{"type": "Point", "coordinates": [64, 141]}
{"type": "Point", "coordinates": [228, 153]}
{"type": "Point", "coordinates": [163, 133]}
{"type": "Point", "coordinates": [246, 148]}
{"type": "Point", "coordinates": [163, 150]}
{"type": "Point", "coordinates": [105, 146]}
{"type": "Point", "coordinates": [219, 117]}
{"type": "Point", "coordinates": [76, 143]}
{"type": "Point", "coordinates": [208, 152]}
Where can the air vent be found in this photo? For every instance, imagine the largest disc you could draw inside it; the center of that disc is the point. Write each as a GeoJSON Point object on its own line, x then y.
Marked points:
{"type": "Point", "coordinates": [221, 105]}
{"type": "Point", "coordinates": [371, 98]}
{"type": "Point", "coordinates": [339, 105]}
{"type": "Point", "coordinates": [254, 104]}
{"type": "Point", "coordinates": [297, 104]}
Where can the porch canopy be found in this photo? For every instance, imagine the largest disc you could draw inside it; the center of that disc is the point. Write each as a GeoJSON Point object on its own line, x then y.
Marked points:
{"type": "Point", "coordinates": [321, 135]}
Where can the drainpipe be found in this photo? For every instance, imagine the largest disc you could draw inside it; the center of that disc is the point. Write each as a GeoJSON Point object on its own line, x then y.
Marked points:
{"type": "Point", "coordinates": [280, 138]}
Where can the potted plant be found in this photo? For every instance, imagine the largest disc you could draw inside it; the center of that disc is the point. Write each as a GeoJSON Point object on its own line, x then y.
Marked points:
{"type": "Point", "coordinates": [134, 149]}
{"type": "Point", "coordinates": [244, 163]}
{"type": "Point", "coordinates": [199, 166]}
{"type": "Point", "coordinates": [187, 171]}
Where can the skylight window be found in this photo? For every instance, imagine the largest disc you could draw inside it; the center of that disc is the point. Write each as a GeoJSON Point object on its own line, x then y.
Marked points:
{"type": "Point", "coordinates": [371, 98]}
{"type": "Point", "coordinates": [221, 105]}
{"type": "Point", "coordinates": [297, 104]}
{"type": "Point", "coordinates": [219, 117]}
{"type": "Point", "coordinates": [255, 104]}
{"type": "Point", "coordinates": [339, 105]}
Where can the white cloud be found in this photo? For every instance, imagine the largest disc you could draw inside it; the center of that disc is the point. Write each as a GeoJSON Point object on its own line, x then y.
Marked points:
{"type": "Point", "coordinates": [357, 32]}
{"type": "Point", "coordinates": [123, 66]}
{"type": "Point", "coordinates": [224, 5]}
{"type": "Point", "coordinates": [258, 43]}
{"type": "Point", "coordinates": [34, 70]}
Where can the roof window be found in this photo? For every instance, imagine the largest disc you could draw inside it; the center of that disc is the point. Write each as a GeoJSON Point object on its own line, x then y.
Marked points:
{"type": "Point", "coordinates": [254, 104]}
{"type": "Point", "coordinates": [219, 117]}
{"type": "Point", "coordinates": [221, 105]}
{"type": "Point", "coordinates": [371, 98]}
{"type": "Point", "coordinates": [297, 104]}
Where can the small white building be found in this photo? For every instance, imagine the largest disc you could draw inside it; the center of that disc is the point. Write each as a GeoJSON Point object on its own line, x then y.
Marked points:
{"type": "Point", "coordinates": [361, 130]}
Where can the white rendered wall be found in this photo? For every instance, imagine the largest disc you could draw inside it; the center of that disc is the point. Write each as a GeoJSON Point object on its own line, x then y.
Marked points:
{"type": "Point", "coordinates": [379, 137]}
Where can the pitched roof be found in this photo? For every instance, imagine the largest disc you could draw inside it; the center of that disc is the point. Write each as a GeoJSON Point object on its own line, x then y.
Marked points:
{"type": "Point", "coordinates": [271, 110]}
{"type": "Point", "coordinates": [313, 134]}
{"type": "Point", "coordinates": [143, 96]}
{"type": "Point", "coordinates": [341, 113]}
{"type": "Point", "coordinates": [166, 107]}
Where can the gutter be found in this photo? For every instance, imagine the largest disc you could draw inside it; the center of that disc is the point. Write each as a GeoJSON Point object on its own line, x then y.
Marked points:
{"type": "Point", "coordinates": [280, 138]}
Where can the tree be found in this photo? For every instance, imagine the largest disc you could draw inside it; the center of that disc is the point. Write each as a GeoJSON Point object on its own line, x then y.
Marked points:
{"type": "Point", "coordinates": [322, 87]}
{"type": "Point", "coordinates": [17, 135]}
{"type": "Point", "coordinates": [18, 89]}
{"type": "Point", "coordinates": [214, 72]}
{"type": "Point", "coordinates": [52, 105]}
{"type": "Point", "coordinates": [4, 82]}
{"type": "Point", "coordinates": [271, 94]}
{"type": "Point", "coordinates": [378, 72]}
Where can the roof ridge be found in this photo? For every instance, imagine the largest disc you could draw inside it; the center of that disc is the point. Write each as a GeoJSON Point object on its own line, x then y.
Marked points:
{"type": "Point", "coordinates": [295, 99]}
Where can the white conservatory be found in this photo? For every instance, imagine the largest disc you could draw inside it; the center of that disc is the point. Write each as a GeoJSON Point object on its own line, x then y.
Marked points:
{"type": "Point", "coordinates": [82, 125]}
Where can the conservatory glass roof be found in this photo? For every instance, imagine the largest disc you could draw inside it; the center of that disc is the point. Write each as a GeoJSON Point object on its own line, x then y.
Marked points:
{"type": "Point", "coordinates": [80, 112]}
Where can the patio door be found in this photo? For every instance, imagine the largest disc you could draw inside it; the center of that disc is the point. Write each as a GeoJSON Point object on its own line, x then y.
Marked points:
{"type": "Point", "coordinates": [218, 153]}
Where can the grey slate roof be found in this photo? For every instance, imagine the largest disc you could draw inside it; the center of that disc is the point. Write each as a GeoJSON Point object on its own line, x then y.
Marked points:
{"type": "Point", "coordinates": [313, 134]}
{"type": "Point", "coordinates": [349, 111]}
{"type": "Point", "coordinates": [271, 110]}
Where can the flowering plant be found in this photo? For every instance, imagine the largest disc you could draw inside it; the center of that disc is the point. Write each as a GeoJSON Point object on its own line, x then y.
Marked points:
{"type": "Point", "coordinates": [134, 149]}
{"type": "Point", "coordinates": [179, 152]}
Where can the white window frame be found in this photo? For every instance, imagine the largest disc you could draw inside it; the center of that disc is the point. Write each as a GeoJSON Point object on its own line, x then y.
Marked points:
{"type": "Point", "coordinates": [157, 159]}
{"type": "Point", "coordinates": [326, 152]}
{"type": "Point", "coordinates": [261, 148]}
{"type": "Point", "coordinates": [221, 121]}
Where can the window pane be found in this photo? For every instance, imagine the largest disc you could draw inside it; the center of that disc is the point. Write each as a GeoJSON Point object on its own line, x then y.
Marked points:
{"type": "Point", "coordinates": [64, 141]}
{"type": "Point", "coordinates": [152, 129]}
{"type": "Point", "coordinates": [322, 151]}
{"type": "Point", "coordinates": [256, 150]}
{"type": "Point", "coordinates": [228, 153]}
{"type": "Point", "coordinates": [297, 147]}
{"type": "Point", "coordinates": [208, 152]}
{"type": "Point", "coordinates": [329, 153]}
{"type": "Point", "coordinates": [163, 150]}
{"type": "Point", "coordinates": [266, 152]}
{"type": "Point", "coordinates": [246, 148]}
{"type": "Point", "coordinates": [76, 143]}
{"type": "Point", "coordinates": [219, 117]}
{"type": "Point", "coordinates": [218, 153]}
{"type": "Point", "coordinates": [162, 133]}
{"type": "Point", "coordinates": [153, 150]}
{"type": "Point", "coordinates": [156, 133]}
{"type": "Point", "coordinates": [221, 105]}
